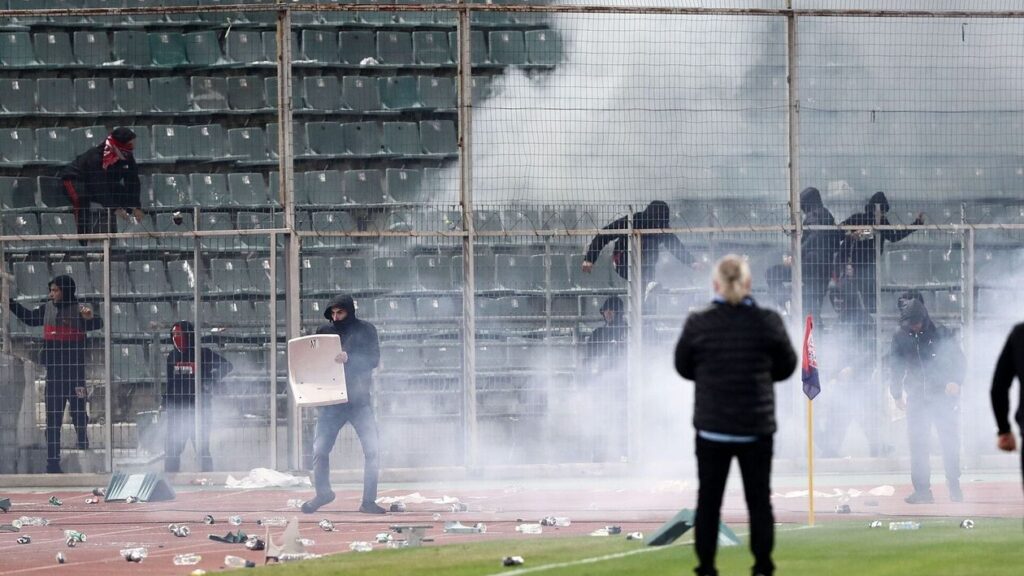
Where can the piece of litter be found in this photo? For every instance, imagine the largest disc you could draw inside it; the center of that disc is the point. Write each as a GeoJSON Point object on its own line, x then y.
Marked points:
{"type": "Point", "coordinates": [512, 561]}
{"type": "Point", "coordinates": [635, 536]}
{"type": "Point", "coordinates": [56, 501]}
{"type": "Point", "coordinates": [884, 490]}
{"type": "Point", "coordinates": [968, 524]}
{"type": "Point", "coordinates": [360, 546]}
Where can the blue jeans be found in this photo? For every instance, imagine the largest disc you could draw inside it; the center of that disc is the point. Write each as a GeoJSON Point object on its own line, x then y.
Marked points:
{"type": "Point", "coordinates": [330, 421]}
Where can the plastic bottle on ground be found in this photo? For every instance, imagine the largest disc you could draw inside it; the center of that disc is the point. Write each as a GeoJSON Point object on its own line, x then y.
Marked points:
{"type": "Point", "coordinates": [273, 521]}
{"type": "Point", "coordinates": [906, 525]}
{"type": "Point", "coordinates": [360, 546]}
{"type": "Point", "coordinates": [529, 529]}
{"type": "Point", "coordinates": [134, 554]}
{"type": "Point", "coordinates": [187, 559]}
{"type": "Point", "coordinates": [238, 562]}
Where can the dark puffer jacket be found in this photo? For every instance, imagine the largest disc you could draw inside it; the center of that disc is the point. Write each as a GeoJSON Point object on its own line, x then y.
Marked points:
{"type": "Point", "coordinates": [923, 362]}
{"type": "Point", "coordinates": [817, 246]}
{"type": "Point", "coordinates": [358, 339]}
{"type": "Point", "coordinates": [735, 354]}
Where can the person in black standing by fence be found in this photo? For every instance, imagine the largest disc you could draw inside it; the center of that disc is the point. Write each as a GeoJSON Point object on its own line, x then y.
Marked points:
{"type": "Point", "coordinates": [1009, 366]}
{"type": "Point", "coordinates": [65, 321]}
{"type": "Point", "coordinates": [735, 352]}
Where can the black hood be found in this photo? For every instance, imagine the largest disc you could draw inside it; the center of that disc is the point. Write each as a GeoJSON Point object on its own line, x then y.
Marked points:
{"type": "Point", "coordinates": [910, 295]}
{"type": "Point", "coordinates": [912, 313]}
{"type": "Point", "coordinates": [656, 215]}
{"type": "Point", "coordinates": [345, 302]}
{"type": "Point", "coordinates": [879, 199]}
{"type": "Point", "coordinates": [612, 303]}
{"type": "Point", "coordinates": [67, 288]}
{"type": "Point", "coordinates": [810, 199]}
{"type": "Point", "coordinates": [188, 330]}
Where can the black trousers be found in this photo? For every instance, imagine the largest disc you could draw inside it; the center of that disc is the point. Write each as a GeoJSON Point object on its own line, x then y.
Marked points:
{"type": "Point", "coordinates": [330, 421]}
{"type": "Point", "coordinates": [65, 385]}
{"type": "Point", "coordinates": [942, 412]}
{"type": "Point", "coordinates": [713, 461]}
{"type": "Point", "coordinates": [181, 426]}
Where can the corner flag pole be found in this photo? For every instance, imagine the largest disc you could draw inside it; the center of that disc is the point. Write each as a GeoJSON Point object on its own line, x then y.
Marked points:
{"type": "Point", "coordinates": [810, 462]}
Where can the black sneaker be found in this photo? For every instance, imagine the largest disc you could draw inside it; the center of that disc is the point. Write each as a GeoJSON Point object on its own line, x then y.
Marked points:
{"type": "Point", "coordinates": [53, 468]}
{"type": "Point", "coordinates": [956, 494]}
{"type": "Point", "coordinates": [371, 508]}
{"type": "Point", "coordinates": [316, 503]}
{"type": "Point", "coordinates": [920, 498]}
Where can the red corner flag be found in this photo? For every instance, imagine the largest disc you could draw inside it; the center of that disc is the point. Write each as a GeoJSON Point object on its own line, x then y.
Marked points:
{"type": "Point", "coordinates": [809, 364]}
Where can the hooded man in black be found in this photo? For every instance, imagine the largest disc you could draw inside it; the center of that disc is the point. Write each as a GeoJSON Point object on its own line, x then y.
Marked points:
{"type": "Point", "coordinates": [360, 355]}
{"type": "Point", "coordinates": [65, 321]}
{"type": "Point", "coordinates": [856, 256]}
{"type": "Point", "coordinates": [654, 217]}
{"type": "Point", "coordinates": [1009, 366]}
{"type": "Point", "coordinates": [107, 175]}
{"type": "Point", "coordinates": [928, 370]}
{"type": "Point", "coordinates": [180, 396]}
{"type": "Point", "coordinates": [607, 343]}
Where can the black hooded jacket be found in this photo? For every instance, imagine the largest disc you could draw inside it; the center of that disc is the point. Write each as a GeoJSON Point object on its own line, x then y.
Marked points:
{"type": "Point", "coordinates": [181, 367]}
{"type": "Point", "coordinates": [359, 340]}
{"type": "Point", "coordinates": [609, 341]}
{"type": "Point", "coordinates": [655, 216]}
{"type": "Point", "coordinates": [116, 187]}
{"type": "Point", "coordinates": [923, 362]}
{"type": "Point", "coordinates": [861, 251]}
{"type": "Point", "coordinates": [63, 326]}
{"type": "Point", "coordinates": [817, 246]}
{"type": "Point", "coordinates": [1009, 366]}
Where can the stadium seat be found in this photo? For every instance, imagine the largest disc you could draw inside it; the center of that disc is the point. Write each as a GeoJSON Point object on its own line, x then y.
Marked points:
{"type": "Point", "coordinates": [259, 275]}
{"type": "Point", "coordinates": [514, 272]}
{"type": "Point", "coordinates": [59, 223]}
{"type": "Point", "coordinates": [477, 47]}
{"type": "Point", "coordinates": [17, 95]}
{"type": "Point", "coordinates": [315, 276]}
{"type": "Point", "coordinates": [171, 142]}
{"type": "Point", "coordinates": [363, 187]}
{"type": "Point", "coordinates": [413, 18]}
{"type": "Point", "coordinates": [270, 46]}
{"type": "Point", "coordinates": [350, 273]}
{"type": "Point", "coordinates": [394, 48]}
{"type": "Point", "coordinates": [156, 317]}
{"type": "Point", "coordinates": [312, 312]}
{"type": "Point", "coordinates": [17, 193]}
{"type": "Point", "coordinates": [908, 267]}
{"type": "Point", "coordinates": [171, 191]}
{"type": "Point", "coordinates": [320, 45]}
{"type": "Point", "coordinates": [393, 273]}
{"type": "Point", "coordinates": [260, 220]}
{"type": "Point", "coordinates": [270, 89]}
{"type": "Point", "coordinates": [85, 286]}
{"type": "Point", "coordinates": [183, 17]}
{"type": "Point", "coordinates": [246, 93]}
{"type": "Point", "coordinates": [183, 278]}
{"type": "Point", "coordinates": [203, 48]}
{"type": "Point", "coordinates": [52, 193]}
{"type": "Point", "coordinates": [439, 308]}
{"type": "Point", "coordinates": [483, 273]}
{"type": "Point", "coordinates": [209, 93]}
{"type": "Point", "coordinates": [17, 146]}
{"type": "Point", "coordinates": [360, 93]}
{"type": "Point", "coordinates": [149, 18]}
{"type": "Point", "coordinates": [945, 265]}
{"type": "Point", "coordinates": [399, 93]}
{"type": "Point", "coordinates": [247, 143]}
{"type": "Point", "coordinates": [93, 95]}
{"type": "Point", "coordinates": [132, 226]}
{"type": "Point", "coordinates": [400, 355]}
{"type": "Point", "coordinates": [82, 139]}
{"type": "Point", "coordinates": [436, 92]}
{"type": "Point", "coordinates": [169, 94]}
{"type": "Point", "coordinates": [491, 354]}
{"type": "Point", "coordinates": [208, 141]}
{"type": "Point", "coordinates": [218, 221]}
{"type": "Point", "coordinates": [91, 47]}
{"type": "Point", "coordinates": [210, 190]}
{"type": "Point", "coordinates": [438, 137]}
{"type": "Point", "coordinates": [53, 49]}
{"type": "Point", "coordinates": [234, 314]}
{"type": "Point", "coordinates": [247, 189]}
{"type": "Point", "coordinates": [56, 95]}
{"type": "Point", "coordinates": [362, 138]}
{"type": "Point", "coordinates": [321, 93]}
{"type": "Point", "coordinates": [54, 145]}
{"type": "Point", "coordinates": [128, 362]}
{"type": "Point", "coordinates": [550, 271]}
{"type": "Point", "coordinates": [507, 47]}
{"type": "Point", "coordinates": [229, 276]}
{"type": "Point", "coordinates": [434, 272]}
{"type": "Point", "coordinates": [31, 279]}
{"type": "Point", "coordinates": [123, 322]}
{"type": "Point", "coordinates": [482, 88]}
{"type": "Point", "coordinates": [598, 279]}
{"type": "Point", "coordinates": [244, 46]}
{"type": "Point", "coordinates": [149, 278]}
{"type": "Point", "coordinates": [325, 138]}
{"type": "Point", "coordinates": [167, 48]}
{"type": "Point", "coordinates": [16, 50]}
{"type": "Point", "coordinates": [131, 95]}
{"type": "Point", "coordinates": [327, 222]}
{"type": "Point", "coordinates": [356, 45]}
{"type": "Point", "coordinates": [120, 281]}
{"type": "Point", "coordinates": [441, 354]}
{"type": "Point", "coordinates": [325, 187]}
{"type": "Point", "coordinates": [300, 147]}
{"type": "Point", "coordinates": [431, 47]}
{"type": "Point", "coordinates": [402, 185]}
{"type": "Point", "coordinates": [131, 48]}
{"type": "Point", "coordinates": [543, 47]}
{"type": "Point", "coordinates": [400, 309]}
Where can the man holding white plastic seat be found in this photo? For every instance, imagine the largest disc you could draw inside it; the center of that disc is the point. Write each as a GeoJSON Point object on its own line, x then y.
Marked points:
{"type": "Point", "coordinates": [360, 355]}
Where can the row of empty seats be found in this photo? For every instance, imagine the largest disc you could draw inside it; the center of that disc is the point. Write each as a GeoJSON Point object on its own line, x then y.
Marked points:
{"type": "Point", "coordinates": [176, 95]}
{"type": "Point", "coordinates": [426, 139]}
{"type": "Point", "coordinates": [135, 49]}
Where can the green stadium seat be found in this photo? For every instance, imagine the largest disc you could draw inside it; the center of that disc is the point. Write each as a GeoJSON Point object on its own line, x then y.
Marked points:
{"type": "Point", "coordinates": [171, 191]}
{"type": "Point", "coordinates": [210, 93]}
{"type": "Point", "coordinates": [53, 49]}
{"type": "Point", "coordinates": [442, 354]}
{"type": "Point", "coordinates": [431, 47]}
{"type": "Point", "coordinates": [234, 314]}
{"type": "Point", "coordinates": [507, 47]}
{"type": "Point", "coordinates": [56, 95]}
{"type": "Point", "coordinates": [17, 193]}
{"type": "Point", "coordinates": [514, 272]}
{"type": "Point", "coordinates": [128, 361]}
{"type": "Point", "coordinates": [400, 309]}
{"type": "Point", "coordinates": [156, 317]}
{"type": "Point", "coordinates": [438, 137]}
{"type": "Point", "coordinates": [357, 45]}
{"type": "Point", "coordinates": [434, 272]}
{"type": "Point", "coordinates": [208, 141]}
{"type": "Point", "coordinates": [167, 48]}
{"type": "Point", "coordinates": [21, 224]}
{"type": "Point", "coordinates": [246, 93]}
{"type": "Point", "coordinates": [260, 220]}
{"type": "Point", "coordinates": [131, 48]}
{"type": "Point", "coordinates": [394, 48]}
{"type": "Point", "coordinates": [218, 221]}
{"type": "Point", "coordinates": [120, 282]}
{"type": "Point", "coordinates": [945, 265]}
{"type": "Point", "coordinates": [247, 189]}
{"type": "Point", "coordinates": [247, 143]}
{"type": "Point", "coordinates": [131, 95]}
{"type": "Point", "coordinates": [350, 273]}
{"type": "Point", "coordinates": [477, 47]}
{"type": "Point", "coordinates": [259, 275]}
{"type": "Point", "coordinates": [165, 222]}
{"type": "Point", "coordinates": [312, 313]}
{"type": "Point", "coordinates": [403, 185]}
{"type": "Point", "coordinates": [224, 18]}
{"type": "Point", "coordinates": [244, 46]}
{"type": "Point", "coordinates": [17, 95]}
{"type": "Point", "coordinates": [171, 142]}
{"type": "Point", "coordinates": [300, 147]}
{"type": "Point", "coordinates": [482, 88]}
{"type": "Point", "coordinates": [325, 138]}
{"type": "Point", "coordinates": [325, 187]}
{"type": "Point", "coordinates": [182, 276]}
{"type": "Point", "coordinates": [402, 138]}
{"type": "Point", "coordinates": [124, 322]}
{"type": "Point", "coordinates": [210, 190]}
{"type": "Point", "coordinates": [183, 17]}
{"type": "Point", "coordinates": [360, 93]}
{"type": "Point", "coordinates": [16, 50]}
{"type": "Point", "coordinates": [143, 226]}
{"type": "Point", "coordinates": [439, 308]}
{"type": "Point", "coordinates": [321, 93]}
{"type": "Point", "coordinates": [399, 93]}
{"type": "Point", "coordinates": [169, 94]}
{"type": "Point", "coordinates": [320, 45]}
{"type": "Point", "coordinates": [85, 285]}
{"type": "Point", "coordinates": [483, 271]}
{"type": "Point", "coordinates": [229, 276]}
{"type": "Point", "coordinates": [908, 267]}
{"type": "Point", "coordinates": [149, 278]}
{"type": "Point", "coordinates": [91, 47]}
{"type": "Point", "coordinates": [104, 20]}
{"type": "Point", "coordinates": [551, 272]}
{"type": "Point", "coordinates": [363, 138]}
{"type": "Point", "coordinates": [543, 47]}
{"type": "Point", "coordinates": [17, 146]}
{"type": "Point", "coordinates": [54, 145]}
{"type": "Point", "coordinates": [52, 194]}
{"type": "Point", "coordinates": [270, 47]}
{"type": "Point", "coordinates": [363, 187]}
{"type": "Point", "coordinates": [203, 48]}
{"type": "Point", "coordinates": [94, 95]}
{"type": "Point", "coordinates": [331, 221]}
{"type": "Point", "coordinates": [31, 279]}
{"type": "Point", "coordinates": [413, 18]}
{"type": "Point", "coordinates": [315, 277]}
{"type": "Point", "coordinates": [148, 18]}
{"type": "Point", "coordinates": [436, 92]}
{"type": "Point", "coordinates": [57, 223]}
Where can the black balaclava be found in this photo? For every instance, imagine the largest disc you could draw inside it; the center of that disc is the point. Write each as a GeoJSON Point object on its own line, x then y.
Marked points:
{"type": "Point", "coordinates": [877, 198]}
{"type": "Point", "coordinates": [67, 288]}
{"type": "Point", "coordinates": [183, 336]}
{"type": "Point", "coordinates": [656, 215]}
{"type": "Point", "coordinates": [810, 199]}
{"type": "Point", "coordinates": [345, 302]}
{"type": "Point", "coordinates": [914, 312]}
